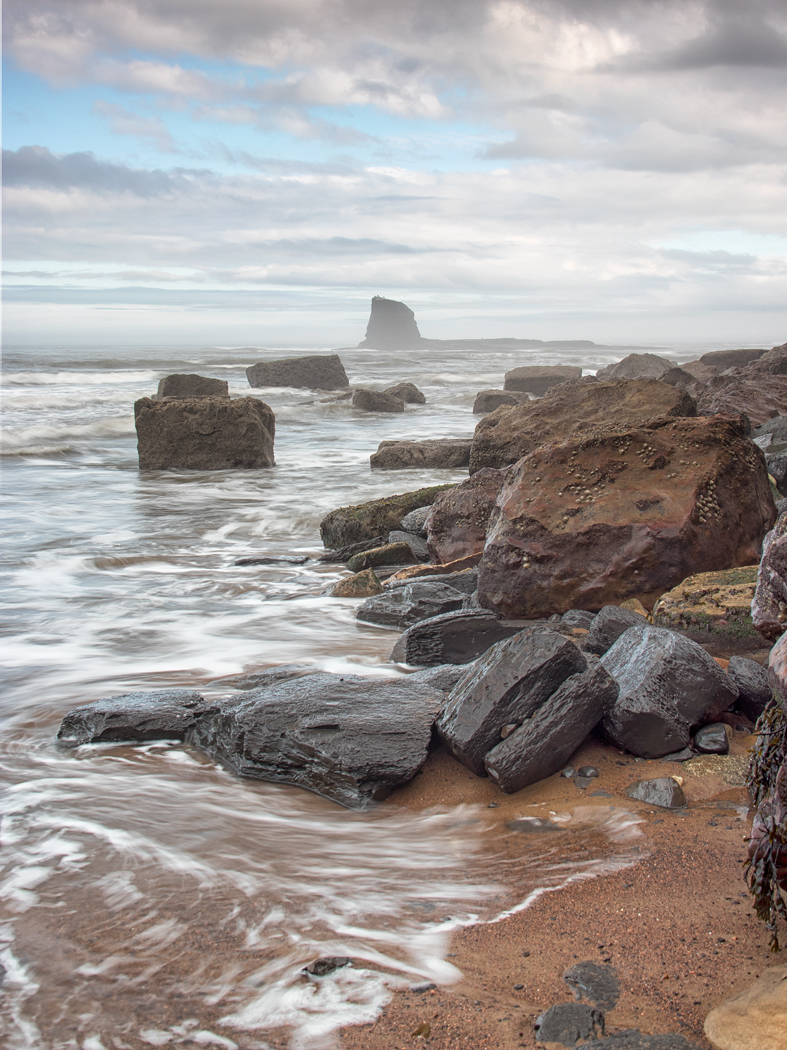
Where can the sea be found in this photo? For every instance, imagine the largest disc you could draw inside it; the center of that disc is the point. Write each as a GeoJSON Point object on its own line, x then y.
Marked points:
{"type": "Point", "coordinates": [148, 896]}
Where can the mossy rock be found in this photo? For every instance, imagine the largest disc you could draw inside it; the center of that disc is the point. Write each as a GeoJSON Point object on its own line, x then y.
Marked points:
{"type": "Point", "coordinates": [716, 602]}
{"type": "Point", "coordinates": [389, 554]}
{"type": "Point", "coordinates": [360, 585]}
{"type": "Point", "coordinates": [378, 517]}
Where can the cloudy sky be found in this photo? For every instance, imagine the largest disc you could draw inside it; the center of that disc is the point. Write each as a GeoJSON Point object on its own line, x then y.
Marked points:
{"type": "Point", "coordinates": [253, 171]}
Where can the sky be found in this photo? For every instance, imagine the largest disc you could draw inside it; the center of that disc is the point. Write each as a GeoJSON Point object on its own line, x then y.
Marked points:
{"type": "Point", "coordinates": [241, 172]}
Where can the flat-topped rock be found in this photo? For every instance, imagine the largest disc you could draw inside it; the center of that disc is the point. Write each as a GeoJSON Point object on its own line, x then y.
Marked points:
{"type": "Point", "coordinates": [315, 372]}
{"type": "Point", "coordinates": [452, 638]}
{"type": "Point", "coordinates": [434, 453]}
{"type": "Point", "coordinates": [191, 385]}
{"type": "Point", "coordinates": [487, 401]}
{"type": "Point", "coordinates": [403, 606]}
{"type": "Point", "coordinates": [164, 714]}
{"type": "Point", "coordinates": [537, 379]}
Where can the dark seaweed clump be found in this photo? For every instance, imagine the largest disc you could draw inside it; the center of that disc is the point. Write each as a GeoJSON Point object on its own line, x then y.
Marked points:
{"type": "Point", "coordinates": [768, 848]}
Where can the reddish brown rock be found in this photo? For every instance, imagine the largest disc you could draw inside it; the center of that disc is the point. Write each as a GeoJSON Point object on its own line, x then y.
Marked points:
{"type": "Point", "coordinates": [456, 525]}
{"type": "Point", "coordinates": [510, 433]}
{"type": "Point", "coordinates": [753, 391]}
{"type": "Point", "coordinates": [769, 605]}
{"type": "Point", "coordinates": [636, 366]}
{"type": "Point", "coordinates": [624, 512]}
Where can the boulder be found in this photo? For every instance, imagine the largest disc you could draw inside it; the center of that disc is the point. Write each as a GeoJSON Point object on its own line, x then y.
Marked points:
{"type": "Point", "coordinates": [755, 1018]}
{"type": "Point", "coordinates": [316, 372]}
{"type": "Point", "coordinates": [414, 572]}
{"type": "Point", "coordinates": [769, 604]}
{"type": "Point", "coordinates": [772, 362]}
{"type": "Point", "coordinates": [774, 432]}
{"type": "Point", "coordinates": [436, 453]}
{"type": "Point", "coordinates": [659, 791]}
{"type": "Point", "coordinates": [392, 326]}
{"type": "Point", "coordinates": [443, 676]}
{"type": "Point", "coordinates": [457, 523]}
{"type": "Point", "coordinates": [595, 982]}
{"type": "Point", "coordinates": [507, 685]}
{"type": "Point", "coordinates": [407, 392]}
{"type": "Point", "coordinates": [375, 401]}
{"type": "Point", "coordinates": [776, 465]}
{"type": "Point", "coordinates": [487, 401]}
{"type": "Point", "coordinates": [567, 1023]}
{"type": "Point", "coordinates": [343, 554]}
{"type": "Point", "coordinates": [166, 714]}
{"type": "Point", "coordinates": [258, 679]}
{"type": "Point", "coordinates": [360, 585]}
{"type": "Point", "coordinates": [624, 512]}
{"type": "Point", "coordinates": [465, 580]}
{"type": "Point", "coordinates": [721, 360]}
{"type": "Point", "coordinates": [543, 743]}
{"type": "Point", "coordinates": [608, 625]}
{"type": "Point", "coordinates": [667, 684]}
{"type": "Point", "coordinates": [754, 690]}
{"type": "Point", "coordinates": [205, 433]}
{"type": "Point", "coordinates": [191, 386]}
{"type": "Point", "coordinates": [777, 671]}
{"type": "Point", "coordinates": [415, 521]}
{"type": "Point", "coordinates": [716, 602]}
{"type": "Point", "coordinates": [403, 606]}
{"type": "Point", "coordinates": [348, 738]}
{"type": "Point", "coordinates": [678, 377]}
{"type": "Point", "coordinates": [578, 618]}
{"type": "Point", "coordinates": [363, 521]}
{"type": "Point", "coordinates": [416, 543]}
{"type": "Point", "coordinates": [452, 638]}
{"type": "Point", "coordinates": [388, 554]}
{"type": "Point", "coordinates": [749, 391]}
{"type": "Point", "coordinates": [637, 366]}
{"type": "Point", "coordinates": [537, 379]}
{"type": "Point", "coordinates": [508, 434]}
{"type": "Point", "coordinates": [712, 739]}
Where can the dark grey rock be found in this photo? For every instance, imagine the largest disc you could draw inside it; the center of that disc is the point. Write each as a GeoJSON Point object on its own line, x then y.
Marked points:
{"type": "Point", "coordinates": [322, 967]}
{"type": "Point", "coordinates": [582, 782]}
{"type": "Point", "coordinates": [415, 521]}
{"type": "Point", "coordinates": [260, 679]}
{"type": "Point", "coordinates": [453, 638]}
{"type": "Point", "coordinates": [417, 543]}
{"type": "Point", "coordinates": [166, 714]}
{"type": "Point", "coordinates": [487, 401]}
{"type": "Point", "coordinates": [632, 1039]}
{"type": "Point", "coordinates": [608, 625]}
{"type": "Point", "coordinates": [545, 741]}
{"type": "Point", "coordinates": [404, 606]}
{"type": "Point", "coordinates": [712, 739]}
{"type": "Point", "coordinates": [349, 738]}
{"type": "Point", "coordinates": [465, 581]}
{"type": "Point", "coordinates": [375, 401]}
{"type": "Point", "coordinates": [568, 1022]}
{"type": "Point", "coordinates": [775, 428]}
{"type": "Point", "coordinates": [444, 676]}
{"type": "Point", "coordinates": [568, 772]}
{"type": "Point", "coordinates": [578, 618]}
{"type": "Point", "coordinates": [754, 690]}
{"type": "Point", "coordinates": [343, 554]}
{"type": "Point", "coordinates": [594, 982]}
{"type": "Point", "coordinates": [660, 791]}
{"type": "Point", "coordinates": [407, 392]}
{"type": "Point", "coordinates": [679, 756]}
{"type": "Point", "coordinates": [315, 372]}
{"type": "Point", "coordinates": [508, 684]}
{"type": "Point", "coordinates": [432, 453]}
{"type": "Point", "coordinates": [667, 684]}
{"type": "Point", "coordinates": [589, 771]}
{"type": "Point", "coordinates": [273, 559]}
{"type": "Point", "coordinates": [776, 464]}
{"type": "Point", "coordinates": [191, 386]}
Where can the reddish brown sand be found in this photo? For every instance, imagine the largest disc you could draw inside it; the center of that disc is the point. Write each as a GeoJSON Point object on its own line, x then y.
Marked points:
{"type": "Point", "coordinates": [678, 926]}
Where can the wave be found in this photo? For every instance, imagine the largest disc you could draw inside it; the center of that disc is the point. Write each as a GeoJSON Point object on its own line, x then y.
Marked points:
{"type": "Point", "coordinates": [49, 440]}
{"type": "Point", "coordinates": [77, 378]}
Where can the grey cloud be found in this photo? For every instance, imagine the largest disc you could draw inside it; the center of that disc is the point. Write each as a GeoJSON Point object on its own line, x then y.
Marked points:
{"type": "Point", "coordinates": [37, 166]}
{"type": "Point", "coordinates": [736, 43]}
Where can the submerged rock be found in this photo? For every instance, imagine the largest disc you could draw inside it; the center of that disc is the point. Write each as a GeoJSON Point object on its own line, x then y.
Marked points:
{"type": "Point", "coordinates": [315, 372]}
{"type": "Point", "coordinates": [375, 401]}
{"type": "Point", "coordinates": [165, 714]}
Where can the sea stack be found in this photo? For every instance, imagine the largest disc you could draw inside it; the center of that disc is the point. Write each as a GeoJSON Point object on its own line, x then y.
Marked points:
{"type": "Point", "coordinates": [392, 326]}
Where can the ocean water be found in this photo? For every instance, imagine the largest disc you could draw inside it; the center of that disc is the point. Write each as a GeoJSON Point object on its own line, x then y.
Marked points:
{"type": "Point", "coordinates": [149, 897]}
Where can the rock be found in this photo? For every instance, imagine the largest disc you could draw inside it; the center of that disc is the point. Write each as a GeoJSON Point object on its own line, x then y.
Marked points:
{"type": "Point", "coordinates": [754, 1019]}
{"type": "Point", "coordinates": [544, 742]}
{"type": "Point", "coordinates": [754, 690]}
{"type": "Point", "coordinates": [273, 559]}
{"type": "Point", "coordinates": [322, 967]}
{"type": "Point", "coordinates": [702, 373]}
{"type": "Point", "coordinates": [749, 392]}
{"type": "Point", "coordinates": [537, 379]}
{"type": "Point", "coordinates": [415, 521]}
{"type": "Point", "coordinates": [772, 362]}
{"type": "Point", "coordinates": [637, 366]}
{"type": "Point", "coordinates": [635, 605]}
{"type": "Point", "coordinates": [678, 377]}
{"type": "Point", "coordinates": [415, 542]}
{"type": "Point", "coordinates": [508, 434]}
{"type": "Point", "coordinates": [770, 433]}
{"type": "Point", "coordinates": [451, 568]}
{"type": "Point", "coordinates": [769, 604]}
{"type": "Point", "coordinates": [777, 671]}
{"type": "Point", "coordinates": [508, 684]}
{"type": "Point", "coordinates": [457, 523]}
{"type": "Point", "coordinates": [392, 326]}
{"type": "Point", "coordinates": [776, 465]}
{"type": "Point", "coordinates": [360, 585]}
{"type": "Point", "coordinates": [608, 625]}
{"type": "Point", "coordinates": [721, 360]}
{"type": "Point", "coordinates": [343, 554]}
{"type": "Point", "coordinates": [191, 386]}
{"type": "Point", "coordinates": [667, 684]}
{"type": "Point", "coordinates": [465, 581]}
{"type": "Point", "coordinates": [376, 518]}
{"type": "Point", "coordinates": [258, 679]}
{"type": "Point", "coordinates": [578, 618]}
{"type": "Point", "coordinates": [712, 739]}
{"type": "Point", "coordinates": [205, 433]}
{"type": "Point", "coordinates": [487, 401]}
{"type": "Point", "coordinates": [316, 372]}
{"type": "Point", "coordinates": [715, 602]}
{"type": "Point", "coordinates": [568, 1022]}
{"type": "Point", "coordinates": [453, 638]}
{"type": "Point", "coordinates": [166, 714]}
{"type": "Point", "coordinates": [624, 512]}
{"type": "Point", "coordinates": [443, 676]}
{"type": "Point", "coordinates": [437, 453]}
{"type": "Point", "coordinates": [589, 772]}
{"type": "Point", "coordinates": [407, 392]}
{"type": "Point", "coordinates": [388, 554]}
{"type": "Point", "coordinates": [403, 606]}
{"type": "Point", "coordinates": [598, 984]}
{"type": "Point", "coordinates": [348, 738]}
{"type": "Point", "coordinates": [633, 1039]}
{"type": "Point", "coordinates": [375, 401]}
{"type": "Point", "coordinates": [683, 755]}
{"type": "Point", "coordinates": [660, 791]}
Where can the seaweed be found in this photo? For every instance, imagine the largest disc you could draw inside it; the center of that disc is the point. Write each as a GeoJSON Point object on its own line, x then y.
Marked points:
{"type": "Point", "coordinates": [769, 845]}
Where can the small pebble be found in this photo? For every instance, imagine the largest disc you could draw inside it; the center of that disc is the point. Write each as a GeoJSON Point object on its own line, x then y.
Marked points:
{"type": "Point", "coordinates": [587, 771]}
{"type": "Point", "coordinates": [493, 805]}
{"type": "Point", "coordinates": [518, 987]}
{"type": "Point", "coordinates": [568, 772]}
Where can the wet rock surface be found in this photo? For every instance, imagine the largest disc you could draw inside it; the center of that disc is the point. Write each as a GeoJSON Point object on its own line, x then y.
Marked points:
{"type": "Point", "coordinates": [567, 1023]}
{"type": "Point", "coordinates": [258, 679]}
{"type": "Point", "coordinates": [608, 625]}
{"type": "Point", "coordinates": [435, 453]}
{"type": "Point", "coordinates": [443, 676]}
{"type": "Point", "coordinates": [403, 606]}
{"type": "Point", "coordinates": [769, 604]}
{"type": "Point", "coordinates": [375, 401]}
{"type": "Point", "coordinates": [343, 554]}
{"type": "Point", "coordinates": [453, 638]}
{"type": "Point", "coordinates": [712, 739]}
{"type": "Point", "coordinates": [458, 520]}
{"type": "Point", "coordinates": [659, 791]}
{"type": "Point", "coordinates": [165, 714]}
{"type": "Point", "coordinates": [190, 385]}
{"type": "Point", "coordinates": [360, 585]}
{"type": "Point", "coordinates": [415, 542]}
{"type": "Point", "coordinates": [415, 521]}
{"type": "Point", "coordinates": [362, 521]}
{"type": "Point", "coordinates": [754, 690]}
{"type": "Point", "coordinates": [407, 392]}
{"type": "Point", "coordinates": [388, 554]}
{"type": "Point", "coordinates": [487, 401]}
{"type": "Point", "coordinates": [314, 372]}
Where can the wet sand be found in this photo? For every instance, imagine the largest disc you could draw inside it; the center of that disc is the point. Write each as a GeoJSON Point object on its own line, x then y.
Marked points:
{"type": "Point", "coordinates": [677, 925]}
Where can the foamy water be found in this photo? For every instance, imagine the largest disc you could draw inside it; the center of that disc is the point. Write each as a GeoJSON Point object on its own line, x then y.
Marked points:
{"type": "Point", "coordinates": [149, 897]}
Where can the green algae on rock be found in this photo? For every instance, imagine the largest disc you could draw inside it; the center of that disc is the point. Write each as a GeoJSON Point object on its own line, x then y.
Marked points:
{"type": "Point", "coordinates": [716, 602]}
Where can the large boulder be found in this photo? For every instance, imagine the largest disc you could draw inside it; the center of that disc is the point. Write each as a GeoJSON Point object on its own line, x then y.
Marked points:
{"type": "Point", "coordinates": [624, 512]}
{"type": "Point", "coordinates": [777, 671]}
{"type": "Point", "coordinates": [507, 686]}
{"type": "Point", "coordinates": [166, 714]}
{"type": "Point", "coordinates": [451, 638]}
{"type": "Point", "coordinates": [667, 684]}
{"type": "Point", "coordinates": [608, 625]}
{"type": "Point", "coordinates": [457, 523]}
{"type": "Point", "coordinates": [748, 391]}
{"type": "Point", "coordinates": [392, 326]}
{"type": "Point", "coordinates": [544, 742]}
{"type": "Point", "coordinates": [403, 606]}
{"type": "Point", "coordinates": [435, 453]}
{"type": "Point", "coordinates": [316, 372]}
{"type": "Point", "coordinates": [636, 366]}
{"type": "Point", "coordinates": [537, 379]}
{"type": "Point", "coordinates": [508, 434]}
{"type": "Point", "coordinates": [205, 433]}
{"type": "Point", "coordinates": [407, 392]}
{"type": "Point", "coordinates": [375, 401]}
{"type": "Point", "coordinates": [716, 602]}
{"type": "Point", "coordinates": [349, 738]}
{"type": "Point", "coordinates": [721, 360]}
{"type": "Point", "coordinates": [753, 1019]}
{"type": "Point", "coordinates": [414, 540]}
{"type": "Point", "coordinates": [364, 521]}
{"type": "Point", "coordinates": [754, 688]}
{"type": "Point", "coordinates": [769, 604]}
{"type": "Point", "coordinates": [191, 386]}
{"type": "Point", "coordinates": [487, 401]}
